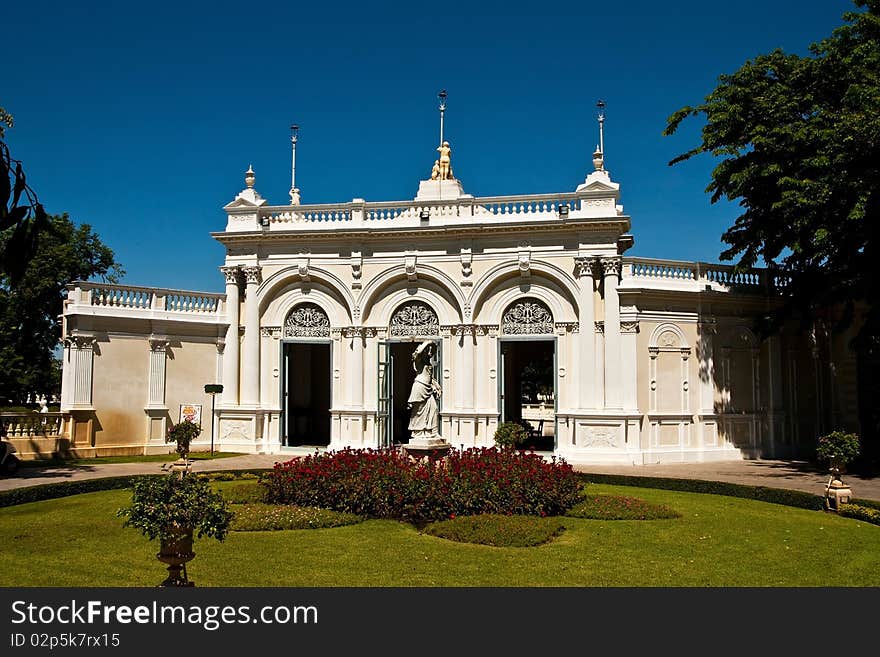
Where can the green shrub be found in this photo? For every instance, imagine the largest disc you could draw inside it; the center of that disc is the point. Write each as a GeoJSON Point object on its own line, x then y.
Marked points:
{"type": "Point", "coordinates": [838, 448]}
{"type": "Point", "coordinates": [67, 488]}
{"type": "Point", "coordinates": [859, 512]}
{"type": "Point", "coordinates": [498, 530]}
{"type": "Point", "coordinates": [620, 507]}
{"type": "Point", "coordinates": [509, 435]}
{"type": "Point", "coordinates": [783, 496]}
{"type": "Point", "coordinates": [161, 505]}
{"type": "Point", "coordinates": [271, 517]}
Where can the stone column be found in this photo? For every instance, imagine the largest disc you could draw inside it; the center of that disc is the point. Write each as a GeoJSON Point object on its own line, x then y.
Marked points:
{"type": "Point", "coordinates": [82, 357]}
{"type": "Point", "coordinates": [460, 365]}
{"type": "Point", "coordinates": [611, 272]}
{"type": "Point", "coordinates": [355, 371]}
{"type": "Point", "coordinates": [250, 376]}
{"type": "Point", "coordinates": [586, 376]}
{"type": "Point", "coordinates": [231, 349]}
{"type": "Point", "coordinates": [629, 363]}
{"type": "Point", "coordinates": [158, 346]}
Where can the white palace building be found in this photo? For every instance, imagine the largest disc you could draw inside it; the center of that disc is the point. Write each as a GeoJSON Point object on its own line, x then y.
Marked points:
{"type": "Point", "coordinates": [536, 312]}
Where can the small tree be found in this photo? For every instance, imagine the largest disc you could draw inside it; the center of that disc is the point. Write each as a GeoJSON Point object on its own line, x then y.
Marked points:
{"type": "Point", "coordinates": [183, 434]}
{"type": "Point", "coordinates": [838, 448]}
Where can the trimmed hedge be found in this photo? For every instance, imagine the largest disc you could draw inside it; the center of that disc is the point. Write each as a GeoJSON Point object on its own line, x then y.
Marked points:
{"type": "Point", "coordinates": [859, 512]}
{"type": "Point", "coordinates": [40, 492]}
{"type": "Point", "coordinates": [782, 496]}
{"type": "Point", "coordinates": [66, 489]}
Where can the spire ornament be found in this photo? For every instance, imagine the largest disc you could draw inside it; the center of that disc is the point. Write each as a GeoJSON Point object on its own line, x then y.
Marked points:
{"type": "Point", "coordinates": [294, 190]}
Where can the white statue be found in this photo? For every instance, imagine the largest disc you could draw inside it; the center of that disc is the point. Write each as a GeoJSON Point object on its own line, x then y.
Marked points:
{"type": "Point", "coordinates": [424, 396]}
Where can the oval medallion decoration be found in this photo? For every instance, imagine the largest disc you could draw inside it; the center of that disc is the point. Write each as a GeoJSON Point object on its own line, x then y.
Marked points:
{"type": "Point", "coordinates": [307, 321]}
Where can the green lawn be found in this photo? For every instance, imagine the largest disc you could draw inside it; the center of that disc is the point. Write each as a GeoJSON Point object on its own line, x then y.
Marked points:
{"type": "Point", "coordinates": [718, 541]}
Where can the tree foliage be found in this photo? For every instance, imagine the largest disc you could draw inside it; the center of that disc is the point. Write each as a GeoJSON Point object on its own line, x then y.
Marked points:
{"type": "Point", "coordinates": [22, 217]}
{"type": "Point", "coordinates": [29, 310]}
{"type": "Point", "coordinates": [799, 142]}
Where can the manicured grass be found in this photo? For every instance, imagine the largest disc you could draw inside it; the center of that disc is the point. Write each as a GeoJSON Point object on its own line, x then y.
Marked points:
{"type": "Point", "coordinates": [498, 531]}
{"type": "Point", "coordinates": [620, 507]}
{"type": "Point", "coordinates": [717, 541]}
{"type": "Point", "coordinates": [255, 517]}
{"type": "Point", "coordinates": [149, 458]}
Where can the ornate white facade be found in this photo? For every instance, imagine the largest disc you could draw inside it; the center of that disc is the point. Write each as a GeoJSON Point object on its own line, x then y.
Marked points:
{"type": "Point", "coordinates": [640, 360]}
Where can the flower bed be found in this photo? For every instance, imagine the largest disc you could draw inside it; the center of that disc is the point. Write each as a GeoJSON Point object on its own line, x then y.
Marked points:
{"type": "Point", "coordinates": [388, 484]}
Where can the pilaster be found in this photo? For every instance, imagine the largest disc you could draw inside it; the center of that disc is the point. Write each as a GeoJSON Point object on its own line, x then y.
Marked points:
{"type": "Point", "coordinates": [250, 376]}
{"type": "Point", "coordinates": [231, 357]}
{"type": "Point", "coordinates": [613, 379]}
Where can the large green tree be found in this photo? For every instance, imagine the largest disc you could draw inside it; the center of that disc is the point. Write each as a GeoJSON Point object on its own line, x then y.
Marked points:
{"type": "Point", "coordinates": [29, 311]}
{"type": "Point", "coordinates": [22, 217]}
{"type": "Point", "coordinates": [798, 138]}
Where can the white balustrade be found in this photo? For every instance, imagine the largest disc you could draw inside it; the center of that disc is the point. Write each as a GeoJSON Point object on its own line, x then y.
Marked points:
{"type": "Point", "coordinates": [27, 425]}
{"type": "Point", "coordinates": [106, 295]}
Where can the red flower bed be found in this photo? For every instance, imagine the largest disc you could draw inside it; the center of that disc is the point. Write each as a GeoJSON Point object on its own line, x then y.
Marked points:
{"type": "Point", "coordinates": [388, 484]}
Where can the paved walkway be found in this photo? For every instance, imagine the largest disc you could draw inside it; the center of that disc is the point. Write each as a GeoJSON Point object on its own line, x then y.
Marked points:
{"type": "Point", "coordinates": [795, 475]}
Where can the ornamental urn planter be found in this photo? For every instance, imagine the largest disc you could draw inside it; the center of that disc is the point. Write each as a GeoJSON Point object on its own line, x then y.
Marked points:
{"type": "Point", "coordinates": [176, 551]}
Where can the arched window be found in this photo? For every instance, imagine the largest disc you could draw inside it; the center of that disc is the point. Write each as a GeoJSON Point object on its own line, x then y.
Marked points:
{"type": "Point", "coordinates": [527, 317]}
{"type": "Point", "coordinates": [307, 321]}
{"type": "Point", "coordinates": [414, 318]}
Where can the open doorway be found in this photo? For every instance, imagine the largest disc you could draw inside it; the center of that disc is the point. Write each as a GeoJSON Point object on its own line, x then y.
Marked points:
{"type": "Point", "coordinates": [396, 376]}
{"type": "Point", "coordinates": [306, 397]}
{"type": "Point", "coordinates": [528, 389]}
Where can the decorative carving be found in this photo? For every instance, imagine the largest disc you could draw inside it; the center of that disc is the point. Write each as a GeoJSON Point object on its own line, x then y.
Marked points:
{"type": "Point", "coordinates": [235, 429]}
{"type": "Point", "coordinates": [230, 274]}
{"type": "Point", "coordinates": [570, 327]}
{"type": "Point", "coordinates": [270, 332]}
{"type": "Point", "coordinates": [82, 341]}
{"type": "Point", "coordinates": [585, 266]}
{"type": "Point", "coordinates": [302, 268]}
{"type": "Point", "coordinates": [600, 327]}
{"type": "Point", "coordinates": [467, 311]}
{"type": "Point", "coordinates": [529, 317]}
{"type": "Point", "coordinates": [629, 327]}
{"type": "Point", "coordinates": [252, 274]}
{"type": "Point", "coordinates": [307, 321]}
{"type": "Point", "coordinates": [409, 264]}
{"type": "Point", "coordinates": [667, 339]}
{"type": "Point", "coordinates": [357, 261]}
{"type": "Point", "coordinates": [601, 437]}
{"type": "Point", "coordinates": [414, 319]}
{"type": "Point", "coordinates": [466, 271]}
{"type": "Point", "coordinates": [336, 333]}
{"type": "Point", "coordinates": [611, 266]}
{"type": "Point", "coordinates": [221, 345]}
{"type": "Point", "coordinates": [446, 330]}
{"type": "Point", "coordinates": [158, 343]}
{"type": "Point", "coordinates": [525, 265]}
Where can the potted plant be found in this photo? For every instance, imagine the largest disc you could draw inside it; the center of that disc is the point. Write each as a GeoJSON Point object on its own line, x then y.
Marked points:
{"type": "Point", "coordinates": [172, 508]}
{"type": "Point", "coordinates": [837, 449]}
{"type": "Point", "coordinates": [183, 434]}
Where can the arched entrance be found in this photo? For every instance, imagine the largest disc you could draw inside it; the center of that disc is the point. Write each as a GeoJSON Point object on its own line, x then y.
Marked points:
{"type": "Point", "coordinates": [410, 323]}
{"type": "Point", "coordinates": [527, 357]}
{"type": "Point", "coordinates": [306, 375]}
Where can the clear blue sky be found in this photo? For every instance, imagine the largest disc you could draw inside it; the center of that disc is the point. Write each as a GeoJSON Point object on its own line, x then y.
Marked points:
{"type": "Point", "coordinates": [140, 118]}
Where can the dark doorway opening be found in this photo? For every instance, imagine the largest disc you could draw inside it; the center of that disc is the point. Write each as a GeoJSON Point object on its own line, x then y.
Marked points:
{"type": "Point", "coordinates": [528, 393]}
{"type": "Point", "coordinates": [402, 379]}
{"type": "Point", "coordinates": [307, 394]}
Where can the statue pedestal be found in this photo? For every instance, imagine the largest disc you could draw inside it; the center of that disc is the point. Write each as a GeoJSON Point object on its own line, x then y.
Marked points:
{"type": "Point", "coordinates": [440, 190]}
{"type": "Point", "coordinates": [433, 448]}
